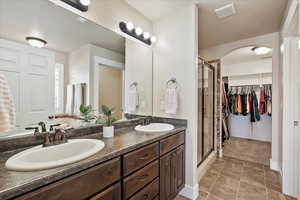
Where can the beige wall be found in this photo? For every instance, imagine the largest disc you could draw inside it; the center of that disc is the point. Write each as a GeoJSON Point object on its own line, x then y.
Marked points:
{"type": "Point", "coordinates": [111, 85]}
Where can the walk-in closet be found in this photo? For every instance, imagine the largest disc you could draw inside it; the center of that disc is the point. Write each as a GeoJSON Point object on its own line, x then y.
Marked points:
{"type": "Point", "coordinates": [247, 104]}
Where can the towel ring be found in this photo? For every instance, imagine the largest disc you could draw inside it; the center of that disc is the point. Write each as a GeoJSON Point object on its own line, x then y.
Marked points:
{"type": "Point", "coordinates": [172, 81]}
{"type": "Point", "coordinates": [134, 84]}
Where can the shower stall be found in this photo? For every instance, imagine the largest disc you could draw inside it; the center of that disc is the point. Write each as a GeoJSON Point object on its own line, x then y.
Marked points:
{"type": "Point", "coordinates": [206, 110]}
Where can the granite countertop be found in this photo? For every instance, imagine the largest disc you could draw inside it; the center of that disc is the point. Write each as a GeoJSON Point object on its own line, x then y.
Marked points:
{"type": "Point", "coordinates": [14, 183]}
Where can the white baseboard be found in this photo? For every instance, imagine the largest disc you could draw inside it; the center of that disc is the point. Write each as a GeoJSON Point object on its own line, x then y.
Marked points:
{"type": "Point", "coordinates": [275, 166]}
{"type": "Point", "coordinates": [190, 192]}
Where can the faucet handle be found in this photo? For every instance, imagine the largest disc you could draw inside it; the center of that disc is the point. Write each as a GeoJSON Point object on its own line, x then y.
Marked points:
{"type": "Point", "coordinates": [36, 129]}
{"type": "Point", "coordinates": [52, 126]}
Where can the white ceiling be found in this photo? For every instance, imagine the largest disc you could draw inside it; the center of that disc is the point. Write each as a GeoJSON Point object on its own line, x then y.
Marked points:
{"type": "Point", "coordinates": [243, 55]}
{"type": "Point", "coordinates": [253, 18]}
{"type": "Point", "coordinates": [59, 27]}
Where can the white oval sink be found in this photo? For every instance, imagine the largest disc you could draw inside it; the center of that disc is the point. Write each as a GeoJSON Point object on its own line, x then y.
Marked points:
{"type": "Point", "coordinates": [155, 127]}
{"type": "Point", "coordinates": [39, 158]}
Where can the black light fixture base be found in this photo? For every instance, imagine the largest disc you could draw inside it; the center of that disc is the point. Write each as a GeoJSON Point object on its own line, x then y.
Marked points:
{"type": "Point", "coordinates": [76, 4]}
{"type": "Point", "coordinates": [132, 33]}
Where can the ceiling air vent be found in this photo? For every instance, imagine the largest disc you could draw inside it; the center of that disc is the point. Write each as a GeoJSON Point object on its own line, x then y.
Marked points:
{"type": "Point", "coordinates": [226, 11]}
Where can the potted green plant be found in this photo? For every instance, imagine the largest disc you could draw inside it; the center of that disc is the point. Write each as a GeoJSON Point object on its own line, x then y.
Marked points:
{"type": "Point", "coordinates": [107, 121]}
{"type": "Point", "coordinates": [86, 112]}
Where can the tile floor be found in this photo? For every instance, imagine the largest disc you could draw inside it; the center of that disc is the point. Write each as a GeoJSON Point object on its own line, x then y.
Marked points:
{"type": "Point", "coordinates": [249, 150]}
{"type": "Point", "coordinates": [233, 179]}
{"type": "Point", "coordinates": [247, 178]}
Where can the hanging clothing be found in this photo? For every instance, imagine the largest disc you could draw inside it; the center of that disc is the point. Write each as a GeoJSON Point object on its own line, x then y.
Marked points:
{"type": "Point", "coordinates": [255, 106]}
{"type": "Point", "coordinates": [251, 110]}
{"type": "Point", "coordinates": [262, 102]}
{"type": "Point", "coordinates": [239, 104]}
{"type": "Point", "coordinates": [244, 104]}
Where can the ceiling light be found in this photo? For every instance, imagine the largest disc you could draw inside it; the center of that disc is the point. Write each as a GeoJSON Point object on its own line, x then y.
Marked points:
{"type": "Point", "coordinates": [153, 39]}
{"type": "Point", "coordinates": [85, 2]}
{"type": "Point", "coordinates": [261, 50]}
{"type": "Point", "coordinates": [281, 48]}
{"type": "Point", "coordinates": [129, 26]}
{"type": "Point", "coordinates": [146, 35]}
{"type": "Point", "coordinates": [36, 42]}
{"type": "Point", "coordinates": [138, 31]}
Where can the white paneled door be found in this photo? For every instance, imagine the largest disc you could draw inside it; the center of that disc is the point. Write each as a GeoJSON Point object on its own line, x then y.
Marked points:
{"type": "Point", "coordinates": [30, 73]}
{"type": "Point", "coordinates": [290, 158]}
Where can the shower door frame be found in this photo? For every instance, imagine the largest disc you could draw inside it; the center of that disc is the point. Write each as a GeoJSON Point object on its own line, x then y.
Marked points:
{"type": "Point", "coordinates": [203, 156]}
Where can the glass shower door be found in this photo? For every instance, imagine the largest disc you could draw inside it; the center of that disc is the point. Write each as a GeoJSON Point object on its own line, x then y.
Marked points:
{"type": "Point", "coordinates": [206, 110]}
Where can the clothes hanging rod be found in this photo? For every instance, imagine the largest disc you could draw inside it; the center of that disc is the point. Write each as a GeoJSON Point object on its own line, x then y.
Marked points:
{"type": "Point", "coordinates": [254, 85]}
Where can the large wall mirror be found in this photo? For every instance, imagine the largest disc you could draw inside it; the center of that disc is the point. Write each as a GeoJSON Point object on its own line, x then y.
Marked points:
{"type": "Point", "coordinates": [82, 63]}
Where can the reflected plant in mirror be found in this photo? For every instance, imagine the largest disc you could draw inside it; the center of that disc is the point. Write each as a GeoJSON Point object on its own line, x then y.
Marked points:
{"type": "Point", "coordinates": [86, 112]}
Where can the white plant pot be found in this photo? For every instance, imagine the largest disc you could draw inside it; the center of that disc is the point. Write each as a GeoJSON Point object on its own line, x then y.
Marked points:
{"type": "Point", "coordinates": [108, 131]}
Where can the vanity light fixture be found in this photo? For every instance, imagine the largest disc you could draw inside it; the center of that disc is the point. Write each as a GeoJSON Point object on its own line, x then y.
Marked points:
{"type": "Point", "coordinates": [146, 35]}
{"type": "Point", "coordinates": [129, 26]}
{"type": "Point", "coordinates": [137, 33]}
{"type": "Point", "coordinates": [153, 39]}
{"type": "Point", "coordinates": [261, 50]}
{"type": "Point", "coordinates": [85, 2]}
{"type": "Point", "coordinates": [81, 5]}
{"type": "Point", "coordinates": [36, 42]}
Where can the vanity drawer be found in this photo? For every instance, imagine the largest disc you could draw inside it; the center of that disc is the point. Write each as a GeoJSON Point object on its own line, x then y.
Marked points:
{"type": "Point", "coordinates": [149, 192]}
{"type": "Point", "coordinates": [171, 142]}
{"type": "Point", "coordinates": [81, 185]}
{"type": "Point", "coordinates": [139, 158]}
{"type": "Point", "coordinates": [138, 180]}
{"type": "Point", "coordinates": [112, 193]}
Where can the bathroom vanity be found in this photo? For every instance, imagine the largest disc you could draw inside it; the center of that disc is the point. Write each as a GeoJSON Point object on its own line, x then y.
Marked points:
{"type": "Point", "coordinates": [133, 165]}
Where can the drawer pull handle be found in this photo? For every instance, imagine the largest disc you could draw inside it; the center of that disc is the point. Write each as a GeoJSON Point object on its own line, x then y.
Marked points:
{"type": "Point", "coordinates": [145, 197]}
{"type": "Point", "coordinates": [145, 157]}
{"type": "Point", "coordinates": [143, 178]}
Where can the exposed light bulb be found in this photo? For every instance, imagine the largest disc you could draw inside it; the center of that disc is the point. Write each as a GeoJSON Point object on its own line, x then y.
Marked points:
{"type": "Point", "coordinates": [129, 26]}
{"type": "Point", "coordinates": [261, 50]}
{"type": "Point", "coordinates": [138, 31]}
{"type": "Point", "coordinates": [281, 48]}
{"type": "Point", "coordinates": [36, 42]}
{"type": "Point", "coordinates": [146, 35]}
{"type": "Point", "coordinates": [153, 39]}
{"type": "Point", "coordinates": [85, 2]}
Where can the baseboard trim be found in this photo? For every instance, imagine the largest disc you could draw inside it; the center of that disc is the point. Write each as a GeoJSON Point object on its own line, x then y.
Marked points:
{"type": "Point", "coordinates": [275, 166]}
{"type": "Point", "coordinates": [190, 192]}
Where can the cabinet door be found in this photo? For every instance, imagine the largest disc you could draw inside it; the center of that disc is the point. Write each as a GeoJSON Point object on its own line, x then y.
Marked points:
{"type": "Point", "coordinates": [167, 184]}
{"type": "Point", "coordinates": [179, 167]}
{"type": "Point", "coordinates": [172, 173]}
{"type": "Point", "coordinates": [112, 193]}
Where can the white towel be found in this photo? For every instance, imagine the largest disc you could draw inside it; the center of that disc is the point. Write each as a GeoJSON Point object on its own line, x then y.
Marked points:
{"type": "Point", "coordinates": [7, 107]}
{"type": "Point", "coordinates": [78, 98]}
{"type": "Point", "coordinates": [133, 100]}
{"type": "Point", "coordinates": [171, 101]}
{"type": "Point", "coordinates": [70, 100]}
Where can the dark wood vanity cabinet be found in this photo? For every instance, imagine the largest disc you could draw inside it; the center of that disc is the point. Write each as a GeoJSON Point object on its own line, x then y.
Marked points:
{"type": "Point", "coordinates": [172, 168]}
{"type": "Point", "coordinates": [153, 172]}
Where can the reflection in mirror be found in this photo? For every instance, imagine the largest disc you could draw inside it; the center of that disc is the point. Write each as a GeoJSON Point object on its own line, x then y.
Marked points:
{"type": "Point", "coordinates": [81, 63]}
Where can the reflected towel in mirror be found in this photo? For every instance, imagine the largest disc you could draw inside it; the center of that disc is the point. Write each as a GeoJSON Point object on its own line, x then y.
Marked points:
{"type": "Point", "coordinates": [7, 107]}
{"type": "Point", "coordinates": [133, 99]}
